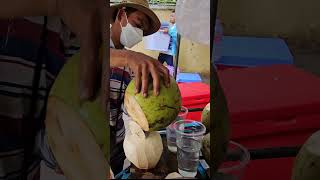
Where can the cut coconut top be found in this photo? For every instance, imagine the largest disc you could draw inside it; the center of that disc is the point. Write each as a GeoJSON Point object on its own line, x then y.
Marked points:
{"type": "Point", "coordinates": [143, 150]}
{"type": "Point", "coordinates": [135, 129]}
{"type": "Point", "coordinates": [173, 175]}
{"type": "Point", "coordinates": [74, 145]}
{"type": "Point", "coordinates": [136, 112]}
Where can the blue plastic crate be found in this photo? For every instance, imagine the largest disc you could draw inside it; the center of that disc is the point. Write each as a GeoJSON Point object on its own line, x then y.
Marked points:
{"type": "Point", "coordinates": [251, 51]}
{"type": "Point", "coordinates": [188, 77]}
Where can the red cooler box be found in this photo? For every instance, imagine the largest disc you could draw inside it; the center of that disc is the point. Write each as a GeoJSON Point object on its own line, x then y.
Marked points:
{"type": "Point", "coordinates": [271, 106]}
{"type": "Point", "coordinates": [194, 95]}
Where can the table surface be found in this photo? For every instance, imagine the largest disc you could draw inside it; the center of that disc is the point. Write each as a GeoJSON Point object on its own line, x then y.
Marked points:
{"type": "Point", "coordinates": [167, 164]}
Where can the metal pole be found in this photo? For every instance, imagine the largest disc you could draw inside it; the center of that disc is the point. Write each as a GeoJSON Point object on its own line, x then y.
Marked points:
{"type": "Point", "coordinates": [177, 56]}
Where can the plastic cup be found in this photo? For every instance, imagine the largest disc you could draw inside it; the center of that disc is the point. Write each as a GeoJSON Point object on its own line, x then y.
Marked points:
{"type": "Point", "coordinates": [189, 136]}
{"type": "Point", "coordinates": [171, 132]}
{"type": "Point", "coordinates": [236, 161]}
{"type": "Point", "coordinates": [183, 113]}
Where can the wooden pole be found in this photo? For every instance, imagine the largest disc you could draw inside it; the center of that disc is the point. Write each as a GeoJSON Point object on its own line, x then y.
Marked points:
{"type": "Point", "coordinates": [177, 56]}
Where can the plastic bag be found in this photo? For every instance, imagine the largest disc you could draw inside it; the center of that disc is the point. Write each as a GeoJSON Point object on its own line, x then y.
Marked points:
{"type": "Point", "coordinates": [193, 20]}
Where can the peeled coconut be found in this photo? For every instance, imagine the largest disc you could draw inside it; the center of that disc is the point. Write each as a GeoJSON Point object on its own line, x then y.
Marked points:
{"type": "Point", "coordinates": [144, 150]}
{"type": "Point", "coordinates": [154, 112]}
{"type": "Point", "coordinates": [205, 117]}
{"type": "Point", "coordinates": [173, 175]}
{"type": "Point", "coordinates": [307, 162]}
{"type": "Point", "coordinates": [77, 133]}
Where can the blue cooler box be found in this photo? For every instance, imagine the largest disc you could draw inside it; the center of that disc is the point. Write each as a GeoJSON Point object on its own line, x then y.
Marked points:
{"type": "Point", "coordinates": [252, 51]}
{"type": "Point", "coordinates": [188, 77]}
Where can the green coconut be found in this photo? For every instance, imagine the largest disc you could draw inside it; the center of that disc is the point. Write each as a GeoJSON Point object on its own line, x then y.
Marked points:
{"type": "Point", "coordinates": [153, 112]}
{"type": "Point", "coordinates": [205, 117]}
{"type": "Point", "coordinates": [307, 162]}
{"type": "Point", "coordinates": [206, 147]}
{"type": "Point", "coordinates": [77, 132]}
{"type": "Point", "coordinates": [220, 136]}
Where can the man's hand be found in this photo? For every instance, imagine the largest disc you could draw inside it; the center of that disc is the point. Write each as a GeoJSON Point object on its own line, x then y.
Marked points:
{"type": "Point", "coordinates": [142, 66]}
{"type": "Point", "coordinates": [87, 19]}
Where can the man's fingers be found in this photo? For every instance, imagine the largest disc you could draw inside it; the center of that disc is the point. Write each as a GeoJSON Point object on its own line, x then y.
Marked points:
{"type": "Point", "coordinates": [138, 80]}
{"type": "Point", "coordinates": [89, 54]}
{"type": "Point", "coordinates": [156, 80]}
{"type": "Point", "coordinates": [145, 75]}
{"type": "Point", "coordinates": [165, 73]}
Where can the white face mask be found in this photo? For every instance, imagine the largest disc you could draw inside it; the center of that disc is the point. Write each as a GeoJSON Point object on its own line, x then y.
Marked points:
{"type": "Point", "coordinates": [130, 35]}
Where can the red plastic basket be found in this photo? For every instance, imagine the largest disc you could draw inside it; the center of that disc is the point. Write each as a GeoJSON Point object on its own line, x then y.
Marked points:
{"type": "Point", "coordinates": [194, 95]}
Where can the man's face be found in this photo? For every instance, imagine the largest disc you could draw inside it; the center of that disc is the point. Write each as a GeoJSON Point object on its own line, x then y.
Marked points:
{"type": "Point", "coordinates": [136, 19]}
{"type": "Point", "coordinates": [173, 18]}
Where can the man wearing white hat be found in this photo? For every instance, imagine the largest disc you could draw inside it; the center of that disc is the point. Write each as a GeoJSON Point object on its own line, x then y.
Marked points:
{"type": "Point", "coordinates": [131, 20]}
{"type": "Point", "coordinates": [86, 18]}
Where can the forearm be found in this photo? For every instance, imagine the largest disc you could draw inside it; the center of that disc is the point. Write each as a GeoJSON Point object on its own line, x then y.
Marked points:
{"type": "Point", "coordinates": [21, 8]}
{"type": "Point", "coordinates": [118, 57]}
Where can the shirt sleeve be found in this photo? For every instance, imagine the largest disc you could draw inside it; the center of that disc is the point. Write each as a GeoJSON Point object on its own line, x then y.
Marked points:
{"type": "Point", "coordinates": [173, 42]}
{"type": "Point", "coordinates": [173, 32]}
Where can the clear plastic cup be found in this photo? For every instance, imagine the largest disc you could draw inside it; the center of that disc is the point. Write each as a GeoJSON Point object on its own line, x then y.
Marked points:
{"type": "Point", "coordinates": [183, 113]}
{"type": "Point", "coordinates": [189, 136]}
{"type": "Point", "coordinates": [171, 132]}
{"type": "Point", "coordinates": [236, 161]}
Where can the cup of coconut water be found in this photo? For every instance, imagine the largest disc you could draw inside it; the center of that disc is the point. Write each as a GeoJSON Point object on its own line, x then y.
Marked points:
{"type": "Point", "coordinates": [171, 131]}
{"type": "Point", "coordinates": [189, 136]}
